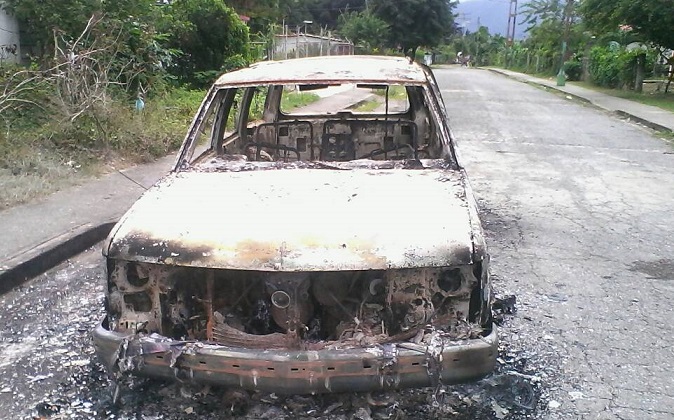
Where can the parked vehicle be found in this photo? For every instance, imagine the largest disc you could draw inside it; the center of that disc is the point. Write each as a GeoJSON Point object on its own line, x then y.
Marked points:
{"type": "Point", "coordinates": [331, 248]}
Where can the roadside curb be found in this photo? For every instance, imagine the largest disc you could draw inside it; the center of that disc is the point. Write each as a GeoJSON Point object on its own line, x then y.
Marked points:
{"type": "Point", "coordinates": [30, 263]}
{"type": "Point", "coordinates": [642, 121]}
{"type": "Point", "coordinates": [359, 103]}
{"type": "Point", "coordinates": [544, 86]}
{"type": "Point", "coordinates": [563, 92]}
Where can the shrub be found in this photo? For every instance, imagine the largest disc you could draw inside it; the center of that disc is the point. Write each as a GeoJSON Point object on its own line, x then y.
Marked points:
{"type": "Point", "coordinates": [210, 36]}
{"type": "Point", "coordinates": [614, 67]}
{"type": "Point", "coordinates": [573, 70]}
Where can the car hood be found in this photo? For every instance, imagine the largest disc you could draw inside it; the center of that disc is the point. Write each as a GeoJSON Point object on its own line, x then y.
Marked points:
{"type": "Point", "coordinates": [300, 220]}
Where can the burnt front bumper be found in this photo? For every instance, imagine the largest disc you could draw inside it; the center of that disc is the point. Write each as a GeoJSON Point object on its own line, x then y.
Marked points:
{"type": "Point", "coordinates": [388, 366]}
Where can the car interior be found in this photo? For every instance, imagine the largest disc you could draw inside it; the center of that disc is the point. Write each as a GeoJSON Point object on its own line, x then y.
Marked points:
{"type": "Point", "coordinates": [356, 121]}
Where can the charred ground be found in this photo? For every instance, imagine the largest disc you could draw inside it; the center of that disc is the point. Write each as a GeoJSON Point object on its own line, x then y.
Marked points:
{"type": "Point", "coordinates": [54, 372]}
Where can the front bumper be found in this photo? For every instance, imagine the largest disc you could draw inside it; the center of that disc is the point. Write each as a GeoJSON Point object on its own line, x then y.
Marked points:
{"type": "Point", "coordinates": [388, 366]}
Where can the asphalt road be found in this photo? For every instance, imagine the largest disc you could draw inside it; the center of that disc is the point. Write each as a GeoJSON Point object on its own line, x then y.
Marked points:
{"type": "Point", "coordinates": [578, 208]}
{"type": "Point", "coordinates": [580, 213]}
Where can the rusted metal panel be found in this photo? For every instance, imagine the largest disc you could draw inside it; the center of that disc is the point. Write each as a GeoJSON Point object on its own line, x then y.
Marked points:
{"type": "Point", "coordinates": [382, 367]}
{"type": "Point", "coordinates": [364, 69]}
{"type": "Point", "coordinates": [300, 220]}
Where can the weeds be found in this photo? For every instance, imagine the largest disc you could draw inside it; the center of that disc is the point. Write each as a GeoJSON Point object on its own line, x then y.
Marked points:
{"type": "Point", "coordinates": [293, 100]}
{"type": "Point", "coordinates": [40, 155]}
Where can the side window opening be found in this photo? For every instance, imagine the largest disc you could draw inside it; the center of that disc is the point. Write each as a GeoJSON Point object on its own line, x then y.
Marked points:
{"type": "Point", "coordinates": [205, 130]}
{"type": "Point", "coordinates": [225, 132]}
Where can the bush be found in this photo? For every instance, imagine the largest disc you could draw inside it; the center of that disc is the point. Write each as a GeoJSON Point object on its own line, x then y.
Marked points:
{"type": "Point", "coordinates": [614, 67]}
{"type": "Point", "coordinates": [23, 93]}
{"type": "Point", "coordinates": [115, 131]}
{"type": "Point", "coordinates": [122, 131]}
{"type": "Point", "coordinates": [573, 70]}
{"type": "Point", "coordinates": [604, 66]}
{"type": "Point", "coordinates": [210, 36]}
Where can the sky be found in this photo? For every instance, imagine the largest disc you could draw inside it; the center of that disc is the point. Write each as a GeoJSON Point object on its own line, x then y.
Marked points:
{"type": "Point", "coordinates": [490, 13]}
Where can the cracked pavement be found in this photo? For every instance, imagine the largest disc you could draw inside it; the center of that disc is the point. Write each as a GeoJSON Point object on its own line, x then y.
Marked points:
{"type": "Point", "coordinates": [583, 205]}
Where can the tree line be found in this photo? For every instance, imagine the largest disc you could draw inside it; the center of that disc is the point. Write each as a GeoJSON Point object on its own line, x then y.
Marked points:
{"type": "Point", "coordinates": [103, 80]}
{"type": "Point", "coordinates": [612, 43]}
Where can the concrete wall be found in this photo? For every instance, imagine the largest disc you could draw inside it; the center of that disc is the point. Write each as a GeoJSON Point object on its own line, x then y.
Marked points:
{"type": "Point", "coordinates": [9, 38]}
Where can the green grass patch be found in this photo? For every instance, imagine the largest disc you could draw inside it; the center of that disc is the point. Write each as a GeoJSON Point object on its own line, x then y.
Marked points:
{"type": "Point", "coordinates": [395, 92]}
{"type": "Point", "coordinates": [658, 99]}
{"type": "Point", "coordinates": [668, 136]}
{"type": "Point", "coordinates": [367, 106]}
{"type": "Point", "coordinates": [294, 100]}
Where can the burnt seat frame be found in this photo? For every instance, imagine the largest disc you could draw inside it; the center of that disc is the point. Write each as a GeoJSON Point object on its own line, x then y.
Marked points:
{"type": "Point", "coordinates": [385, 148]}
{"type": "Point", "coordinates": [277, 145]}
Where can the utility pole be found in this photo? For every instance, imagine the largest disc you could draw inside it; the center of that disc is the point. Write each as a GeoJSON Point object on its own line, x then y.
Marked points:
{"type": "Point", "coordinates": [512, 24]}
{"type": "Point", "coordinates": [567, 21]}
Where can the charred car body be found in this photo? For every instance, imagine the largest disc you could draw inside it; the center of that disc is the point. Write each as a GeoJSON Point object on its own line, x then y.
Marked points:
{"type": "Point", "coordinates": [306, 251]}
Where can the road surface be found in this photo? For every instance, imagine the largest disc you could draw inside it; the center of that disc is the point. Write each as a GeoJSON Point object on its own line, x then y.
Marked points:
{"type": "Point", "coordinates": [581, 207]}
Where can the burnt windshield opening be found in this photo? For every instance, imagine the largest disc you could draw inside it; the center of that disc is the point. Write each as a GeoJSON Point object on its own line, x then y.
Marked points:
{"type": "Point", "coordinates": [337, 123]}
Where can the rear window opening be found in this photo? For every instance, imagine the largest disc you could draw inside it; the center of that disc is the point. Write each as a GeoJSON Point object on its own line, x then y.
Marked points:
{"type": "Point", "coordinates": [375, 99]}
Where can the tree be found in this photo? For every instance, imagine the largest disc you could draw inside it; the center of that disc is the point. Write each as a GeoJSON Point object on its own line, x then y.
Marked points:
{"type": "Point", "coordinates": [262, 13]}
{"type": "Point", "coordinates": [363, 28]}
{"type": "Point", "coordinates": [416, 23]}
{"type": "Point", "coordinates": [537, 11]}
{"type": "Point", "coordinates": [327, 12]}
{"type": "Point", "coordinates": [484, 49]}
{"type": "Point", "coordinates": [652, 20]}
{"type": "Point", "coordinates": [211, 37]}
{"type": "Point", "coordinates": [140, 54]}
{"type": "Point", "coordinates": [552, 23]}
{"type": "Point", "coordinates": [129, 25]}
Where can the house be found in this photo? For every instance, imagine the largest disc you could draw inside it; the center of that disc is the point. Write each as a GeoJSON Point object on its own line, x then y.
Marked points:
{"type": "Point", "coordinates": [10, 50]}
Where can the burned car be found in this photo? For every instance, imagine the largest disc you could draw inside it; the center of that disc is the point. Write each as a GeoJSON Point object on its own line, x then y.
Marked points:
{"type": "Point", "coordinates": [330, 247]}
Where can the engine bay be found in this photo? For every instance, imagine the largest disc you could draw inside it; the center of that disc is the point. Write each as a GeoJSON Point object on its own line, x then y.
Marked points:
{"type": "Point", "coordinates": [294, 310]}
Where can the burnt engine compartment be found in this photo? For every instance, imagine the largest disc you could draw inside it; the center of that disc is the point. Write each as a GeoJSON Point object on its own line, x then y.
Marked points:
{"type": "Point", "coordinates": [298, 310]}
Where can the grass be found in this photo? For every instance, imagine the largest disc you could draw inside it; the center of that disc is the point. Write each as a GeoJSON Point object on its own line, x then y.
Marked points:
{"type": "Point", "coordinates": [367, 106]}
{"type": "Point", "coordinates": [658, 99]}
{"type": "Point", "coordinates": [42, 152]}
{"type": "Point", "coordinates": [40, 155]}
{"type": "Point", "coordinates": [395, 92]}
{"type": "Point", "coordinates": [294, 100]}
{"type": "Point", "coordinates": [35, 175]}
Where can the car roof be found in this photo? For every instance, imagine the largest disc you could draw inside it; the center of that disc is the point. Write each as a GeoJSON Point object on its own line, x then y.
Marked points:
{"type": "Point", "coordinates": [332, 69]}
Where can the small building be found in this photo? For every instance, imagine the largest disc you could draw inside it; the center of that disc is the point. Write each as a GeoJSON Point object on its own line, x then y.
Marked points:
{"type": "Point", "coordinates": [297, 45]}
{"type": "Point", "coordinates": [10, 43]}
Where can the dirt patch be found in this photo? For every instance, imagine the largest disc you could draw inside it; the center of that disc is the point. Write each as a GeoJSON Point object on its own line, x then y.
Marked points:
{"type": "Point", "coordinates": [662, 269]}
